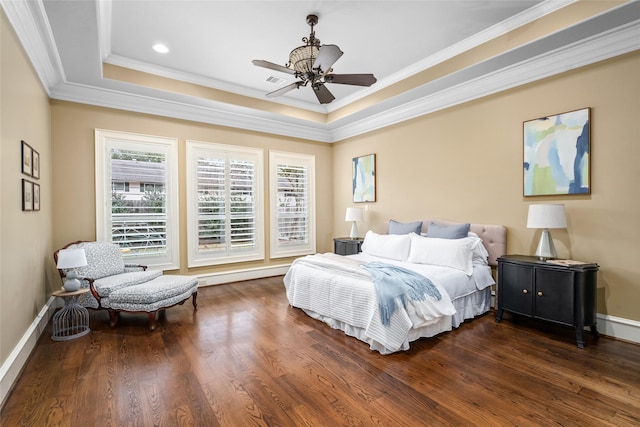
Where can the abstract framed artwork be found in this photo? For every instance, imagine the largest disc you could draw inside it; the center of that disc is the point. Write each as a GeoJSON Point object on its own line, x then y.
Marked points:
{"type": "Point", "coordinates": [363, 178]}
{"type": "Point", "coordinates": [557, 154]}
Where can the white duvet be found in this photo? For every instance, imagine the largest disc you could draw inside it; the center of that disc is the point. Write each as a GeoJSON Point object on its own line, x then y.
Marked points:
{"type": "Point", "coordinates": [337, 287]}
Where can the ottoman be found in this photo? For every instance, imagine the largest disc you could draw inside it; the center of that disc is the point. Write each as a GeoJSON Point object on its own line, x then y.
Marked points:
{"type": "Point", "coordinates": [150, 297]}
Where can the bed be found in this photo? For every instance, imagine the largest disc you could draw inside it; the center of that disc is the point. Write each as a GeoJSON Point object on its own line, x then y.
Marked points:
{"type": "Point", "coordinates": [340, 290]}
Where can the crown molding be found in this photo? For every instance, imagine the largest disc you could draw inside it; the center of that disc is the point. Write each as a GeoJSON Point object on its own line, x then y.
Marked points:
{"type": "Point", "coordinates": [504, 27]}
{"type": "Point", "coordinates": [437, 96]}
{"type": "Point", "coordinates": [612, 33]}
{"type": "Point", "coordinates": [193, 109]}
{"type": "Point", "coordinates": [29, 21]}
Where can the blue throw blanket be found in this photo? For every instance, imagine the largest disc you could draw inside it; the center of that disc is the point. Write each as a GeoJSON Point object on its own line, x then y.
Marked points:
{"type": "Point", "coordinates": [391, 281]}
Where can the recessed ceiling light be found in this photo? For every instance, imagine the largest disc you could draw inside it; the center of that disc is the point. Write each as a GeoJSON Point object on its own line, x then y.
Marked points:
{"type": "Point", "coordinates": [160, 48]}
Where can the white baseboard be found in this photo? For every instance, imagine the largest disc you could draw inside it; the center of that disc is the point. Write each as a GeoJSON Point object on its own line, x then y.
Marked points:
{"type": "Point", "coordinates": [618, 327]}
{"type": "Point", "coordinates": [244, 274]}
{"type": "Point", "coordinates": [12, 367]}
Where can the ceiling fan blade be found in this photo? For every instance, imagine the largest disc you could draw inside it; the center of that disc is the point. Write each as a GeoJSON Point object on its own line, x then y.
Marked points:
{"type": "Point", "coordinates": [351, 79]}
{"type": "Point", "coordinates": [327, 56]}
{"type": "Point", "coordinates": [283, 90]}
{"type": "Point", "coordinates": [272, 66]}
{"type": "Point", "coordinates": [322, 93]}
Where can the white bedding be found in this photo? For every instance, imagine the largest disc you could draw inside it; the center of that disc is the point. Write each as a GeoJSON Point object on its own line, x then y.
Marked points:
{"type": "Point", "coordinates": [336, 290]}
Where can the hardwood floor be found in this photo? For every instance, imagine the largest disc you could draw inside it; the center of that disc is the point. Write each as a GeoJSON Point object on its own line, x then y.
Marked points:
{"type": "Point", "coordinates": [247, 358]}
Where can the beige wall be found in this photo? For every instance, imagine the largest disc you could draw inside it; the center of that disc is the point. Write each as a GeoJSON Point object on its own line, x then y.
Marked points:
{"type": "Point", "coordinates": [74, 174]}
{"type": "Point", "coordinates": [465, 164]}
{"type": "Point", "coordinates": [25, 245]}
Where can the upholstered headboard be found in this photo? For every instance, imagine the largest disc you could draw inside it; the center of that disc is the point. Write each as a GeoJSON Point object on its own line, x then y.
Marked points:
{"type": "Point", "coordinates": [494, 237]}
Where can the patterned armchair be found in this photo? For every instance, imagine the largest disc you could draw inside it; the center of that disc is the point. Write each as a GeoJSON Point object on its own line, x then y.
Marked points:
{"type": "Point", "coordinates": [105, 272]}
{"type": "Point", "coordinates": [116, 286]}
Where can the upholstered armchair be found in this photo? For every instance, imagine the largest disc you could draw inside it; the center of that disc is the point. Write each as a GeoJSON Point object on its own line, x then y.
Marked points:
{"type": "Point", "coordinates": [105, 272]}
{"type": "Point", "coordinates": [116, 286]}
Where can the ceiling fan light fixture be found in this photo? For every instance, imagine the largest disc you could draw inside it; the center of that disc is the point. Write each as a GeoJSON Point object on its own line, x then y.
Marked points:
{"type": "Point", "coordinates": [311, 63]}
{"type": "Point", "coordinates": [301, 59]}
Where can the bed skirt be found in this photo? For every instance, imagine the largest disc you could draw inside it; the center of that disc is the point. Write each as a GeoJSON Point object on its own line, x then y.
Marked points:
{"type": "Point", "coordinates": [467, 307]}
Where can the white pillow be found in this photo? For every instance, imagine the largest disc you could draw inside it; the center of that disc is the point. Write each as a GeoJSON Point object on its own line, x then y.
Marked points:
{"type": "Point", "coordinates": [452, 253]}
{"type": "Point", "coordinates": [480, 253]}
{"type": "Point", "coordinates": [392, 246]}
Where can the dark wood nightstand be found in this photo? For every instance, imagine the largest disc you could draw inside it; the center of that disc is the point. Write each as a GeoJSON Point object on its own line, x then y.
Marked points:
{"type": "Point", "coordinates": [347, 245]}
{"type": "Point", "coordinates": [564, 295]}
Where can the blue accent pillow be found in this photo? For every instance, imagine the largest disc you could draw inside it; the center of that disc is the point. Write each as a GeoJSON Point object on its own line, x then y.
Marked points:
{"type": "Point", "coordinates": [396, 227]}
{"type": "Point", "coordinates": [457, 231]}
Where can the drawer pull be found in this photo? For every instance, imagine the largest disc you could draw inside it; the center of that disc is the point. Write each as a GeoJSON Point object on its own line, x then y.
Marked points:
{"type": "Point", "coordinates": [540, 293]}
{"type": "Point", "coordinates": [524, 291]}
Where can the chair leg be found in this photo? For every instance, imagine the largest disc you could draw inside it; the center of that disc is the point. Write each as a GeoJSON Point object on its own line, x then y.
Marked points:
{"type": "Point", "coordinates": [195, 303]}
{"type": "Point", "coordinates": [113, 318]}
{"type": "Point", "coordinates": [152, 320]}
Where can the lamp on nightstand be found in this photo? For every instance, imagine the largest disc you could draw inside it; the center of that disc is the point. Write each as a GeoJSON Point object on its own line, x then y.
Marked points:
{"type": "Point", "coordinates": [546, 216]}
{"type": "Point", "coordinates": [71, 259]}
{"type": "Point", "coordinates": [354, 214]}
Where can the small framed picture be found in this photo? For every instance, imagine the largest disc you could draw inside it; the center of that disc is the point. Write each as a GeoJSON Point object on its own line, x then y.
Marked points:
{"type": "Point", "coordinates": [36, 197]}
{"type": "Point", "coordinates": [35, 164]}
{"type": "Point", "coordinates": [27, 165]}
{"type": "Point", "coordinates": [27, 195]}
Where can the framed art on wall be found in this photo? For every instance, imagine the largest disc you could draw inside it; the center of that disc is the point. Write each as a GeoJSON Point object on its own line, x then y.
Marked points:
{"type": "Point", "coordinates": [36, 197]}
{"type": "Point", "coordinates": [363, 178]}
{"type": "Point", "coordinates": [35, 164]}
{"type": "Point", "coordinates": [557, 154]}
{"type": "Point", "coordinates": [27, 195]}
{"type": "Point", "coordinates": [26, 159]}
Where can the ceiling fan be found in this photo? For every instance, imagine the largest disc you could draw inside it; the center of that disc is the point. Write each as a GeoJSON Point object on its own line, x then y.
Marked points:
{"type": "Point", "coordinates": [311, 63]}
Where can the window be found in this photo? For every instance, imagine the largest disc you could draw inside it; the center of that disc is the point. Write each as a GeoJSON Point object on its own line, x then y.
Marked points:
{"type": "Point", "coordinates": [144, 225]}
{"type": "Point", "coordinates": [224, 204]}
{"type": "Point", "coordinates": [292, 192]}
{"type": "Point", "coordinates": [119, 187]}
{"type": "Point", "coordinates": [151, 187]}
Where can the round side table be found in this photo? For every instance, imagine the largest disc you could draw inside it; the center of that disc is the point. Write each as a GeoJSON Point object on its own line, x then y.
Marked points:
{"type": "Point", "coordinates": [72, 320]}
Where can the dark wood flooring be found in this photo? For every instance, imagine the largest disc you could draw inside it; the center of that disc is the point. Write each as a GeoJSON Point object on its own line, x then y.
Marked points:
{"type": "Point", "coordinates": [246, 358]}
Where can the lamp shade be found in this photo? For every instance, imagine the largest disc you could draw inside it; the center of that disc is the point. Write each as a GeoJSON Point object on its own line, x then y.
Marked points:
{"type": "Point", "coordinates": [354, 214]}
{"type": "Point", "coordinates": [546, 216]}
{"type": "Point", "coordinates": [71, 258]}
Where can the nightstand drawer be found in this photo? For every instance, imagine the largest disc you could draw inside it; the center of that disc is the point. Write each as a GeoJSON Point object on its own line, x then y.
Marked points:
{"type": "Point", "coordinates": [346, 246]}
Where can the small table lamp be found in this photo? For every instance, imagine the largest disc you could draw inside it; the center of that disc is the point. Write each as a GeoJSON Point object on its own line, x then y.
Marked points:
{"type": "Point", "coordinates": [546, 217]}
{"type": "Point", "coordinates": [354, 214]}
{"type": "Point", "coordinates": [70, 259]}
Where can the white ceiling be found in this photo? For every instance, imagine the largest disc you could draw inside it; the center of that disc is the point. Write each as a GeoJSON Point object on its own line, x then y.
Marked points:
{"type": "Point", "coordinates": [212, 43]}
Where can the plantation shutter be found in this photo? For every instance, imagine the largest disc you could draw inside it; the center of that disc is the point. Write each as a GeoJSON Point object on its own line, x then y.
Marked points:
{"type": "Point", "coordinates": [292, 178]}
{"type": "Point", "coordinates": [226, 196]}
{"type": "Point", "coordinates": [293, 205]}
{"type": "Point", "coordinates": [137, 196]}
{"type": "Point", "coordinates": [138, 219]}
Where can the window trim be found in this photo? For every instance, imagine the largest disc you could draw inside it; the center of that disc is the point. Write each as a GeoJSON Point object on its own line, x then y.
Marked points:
{"type": "Point", "coordinates": [105, 140]}
{"type": "Point", "coordinates": [294, 159]}
{"type": "Point", "coordinates": [196, 259]}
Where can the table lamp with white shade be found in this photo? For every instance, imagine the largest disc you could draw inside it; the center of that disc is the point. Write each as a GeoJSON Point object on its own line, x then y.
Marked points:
{"type": "Point", "coordinates": [69, 259]}
{"type": "Point", "coordinates": [354, 215]}
{"type": "Point", "coordinates": [546, 216]}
